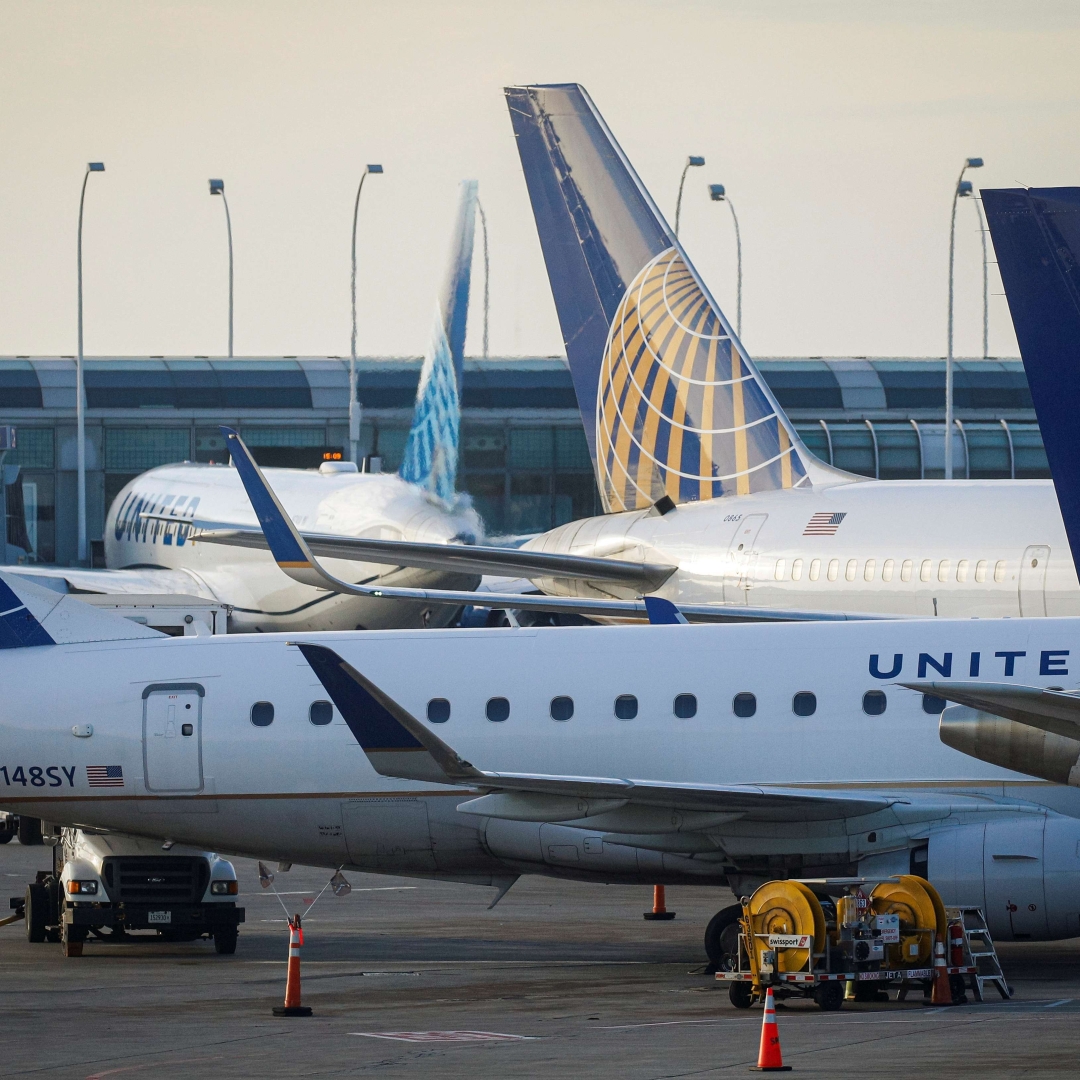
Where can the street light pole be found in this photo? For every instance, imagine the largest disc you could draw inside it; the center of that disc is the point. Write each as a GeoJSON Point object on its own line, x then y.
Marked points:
{"type": "Point", "coordinates": [963, 189]}
{"type": "Point", "coordinates": [354, 405]}
{"type": "Point", "coordinates": [986, 280]}
{"type": "Point", "coordinates": [691, 162]}
{"type": "Point", "coordinates": [80, 405]}
{"type": "Point", "coordinates": [217, 187]}
{"type": "Point", "coordinates": [487, 295]}
{"type": "Point", "coordinates": [718, 194]}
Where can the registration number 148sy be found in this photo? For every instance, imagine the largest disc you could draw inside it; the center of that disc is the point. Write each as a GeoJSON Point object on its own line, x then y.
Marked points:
{"type": "Point", "coordinates": [38, 776]}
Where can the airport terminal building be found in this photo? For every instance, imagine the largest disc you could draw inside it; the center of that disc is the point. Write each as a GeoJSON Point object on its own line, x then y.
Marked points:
{"type": "Point", "coordinates": [524, 456]}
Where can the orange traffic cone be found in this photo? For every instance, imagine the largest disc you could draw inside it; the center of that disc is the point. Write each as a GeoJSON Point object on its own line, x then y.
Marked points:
{"type": "Point", "coordinates": [292, 1006]}
{"type": "Point", "coordinates": [659, 911]}
{"type": "Point", "coordinates": [769, 1058]}
{"type": "Point", "coordinates": [942, 994]}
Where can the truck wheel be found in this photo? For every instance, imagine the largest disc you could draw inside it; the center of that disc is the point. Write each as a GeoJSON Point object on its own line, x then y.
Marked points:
{"type": "Point", "coordinates": [29, 831]}
{"type": "Point", "coordinates": [741, 995]}
{"type": "Point", "coordinates": [829, 996]}
{"type": "Point", "coordinates": [36, 908]}
{"type": "Point", "coordinates": [72, 939]}
{"type": "Point", "coordinates": [722, 937]}
{"type": "Point", "coordinates": [6, 833]}
{"type": "Point", "coordinates": [225, 941]}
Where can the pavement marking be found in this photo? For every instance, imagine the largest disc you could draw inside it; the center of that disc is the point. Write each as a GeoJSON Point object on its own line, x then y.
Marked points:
{"type": "Point", "coordinates": [444, 1036]}
{"type": "Point", "coordinates": [308, 892]}
{"type": "Point", "coordinates": [1055, 1004]}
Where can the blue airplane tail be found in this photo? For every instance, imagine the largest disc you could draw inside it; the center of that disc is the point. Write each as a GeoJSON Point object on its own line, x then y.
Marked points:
{"type": "Point", "coordinates": [431, 453]}
{"type": "Point", "coordinates": [672, 404]}
{"type": "Point", "coordinates": [1036, 234]}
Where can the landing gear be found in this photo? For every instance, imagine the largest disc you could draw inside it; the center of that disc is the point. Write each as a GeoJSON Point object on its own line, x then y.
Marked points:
{"type": "Point", "coordinates": [722, 940]}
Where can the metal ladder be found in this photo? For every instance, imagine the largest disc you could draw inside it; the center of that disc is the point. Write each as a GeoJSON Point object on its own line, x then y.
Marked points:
{"type": "Point", "coordinates": [980, 946]}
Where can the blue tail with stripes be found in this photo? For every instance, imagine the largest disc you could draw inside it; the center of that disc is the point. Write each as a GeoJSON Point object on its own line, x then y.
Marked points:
{"type": "Point", "coordinates": [672, 404]}
{"type": "Point", "coordinates": [431, 453]}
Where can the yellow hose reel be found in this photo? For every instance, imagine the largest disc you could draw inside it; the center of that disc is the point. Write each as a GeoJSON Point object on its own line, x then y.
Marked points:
{"type": "Point", "coordinates": [919, 906]}
{"type": "Point", "coordinates": [785, 907]}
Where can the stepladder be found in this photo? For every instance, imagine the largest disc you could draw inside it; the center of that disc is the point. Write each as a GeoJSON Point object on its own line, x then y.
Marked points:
{"type": "Point", "coordinates": [979, 944]}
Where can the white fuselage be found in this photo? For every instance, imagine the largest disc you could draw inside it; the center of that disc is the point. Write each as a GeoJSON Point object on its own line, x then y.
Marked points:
{"type": "Point", "coordinates": [380, 506]}
{"type": "Point", "coordinates": [910, 547]}
{"type": "Point", "coordinates": [305, 793]}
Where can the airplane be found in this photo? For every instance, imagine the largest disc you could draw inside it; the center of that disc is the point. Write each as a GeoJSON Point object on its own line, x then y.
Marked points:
{"type": "Point", "coordinates": [712, 500]}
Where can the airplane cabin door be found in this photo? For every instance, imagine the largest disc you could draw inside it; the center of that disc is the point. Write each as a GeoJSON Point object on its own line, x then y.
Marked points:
{"type": "Point", "coordinates": [742, 555]}
{"type": "Point", "coordinates": [1033, 581]}
{"type": "Point", "coordinates": [172, 737]}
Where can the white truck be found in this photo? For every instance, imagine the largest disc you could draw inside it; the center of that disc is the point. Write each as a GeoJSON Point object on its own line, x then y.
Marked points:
{"type": "Point", "coordinates": [112, 886]}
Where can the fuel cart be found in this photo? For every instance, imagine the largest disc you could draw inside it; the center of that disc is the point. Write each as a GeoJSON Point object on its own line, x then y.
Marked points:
{"type": "Point", "coordinates": [836, 939]}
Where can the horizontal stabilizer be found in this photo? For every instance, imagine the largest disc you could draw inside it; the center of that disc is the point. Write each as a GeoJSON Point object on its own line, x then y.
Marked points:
{"type": "Point", "coordinates": [1048, 710]}
{"type": "Point", "coordinates": [33, 615]}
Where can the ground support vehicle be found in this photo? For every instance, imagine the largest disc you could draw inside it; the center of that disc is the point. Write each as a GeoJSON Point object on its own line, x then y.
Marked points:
{"type": "Point", "coordinates": [109, 886]}
{"type": "Point", "coordinates": [829, 940]}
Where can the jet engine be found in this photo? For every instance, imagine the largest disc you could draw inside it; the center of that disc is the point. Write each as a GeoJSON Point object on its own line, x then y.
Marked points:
{"type": "Point", "coordinates": [1012, 745]}
{"type": "Point", "coordinates": [1023, 872]}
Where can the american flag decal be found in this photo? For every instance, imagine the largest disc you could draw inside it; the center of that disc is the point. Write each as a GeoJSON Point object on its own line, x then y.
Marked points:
{"type": "Point", "coordinates": [105, 775]}
{"type": "Point", "coordinates": [823, 524]}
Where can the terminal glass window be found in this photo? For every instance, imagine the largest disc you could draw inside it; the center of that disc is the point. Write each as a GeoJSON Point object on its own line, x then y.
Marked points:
{"type": "Point", "coordinates": [685, 706]}
{"type": "Point", "coordinates": [498, 709]}
{"type": "Point", "coordinates": [134, 450]}
{"type": "Point", "coordinates": [804, 704]}
{"type": "Point", "coordinates": [626, 707]}
{"type": "Point", "coordinates": [562, 708]}
{"type": "Point", "coordinates": [899, 456]}
{"type": "Point", "coordinates": [744, 705]}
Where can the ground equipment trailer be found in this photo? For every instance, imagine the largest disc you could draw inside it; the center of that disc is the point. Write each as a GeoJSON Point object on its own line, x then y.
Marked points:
{"type": "Point", "coordinates": [829, 940]}
{"type": "Point", "coordinates": [109, 886]}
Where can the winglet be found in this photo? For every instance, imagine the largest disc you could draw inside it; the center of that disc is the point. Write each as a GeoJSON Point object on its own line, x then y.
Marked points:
{"type": "Point", "coordinates": [663, 612]}
{"type": "Point", "coordinates": [395, 742]}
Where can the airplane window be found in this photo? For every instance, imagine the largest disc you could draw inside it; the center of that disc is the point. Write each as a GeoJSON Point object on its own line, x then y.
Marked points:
{"type": "Point", "coordinates": [999, 571]}
{"type": "Point", "coordinates": [962, 570]}
{"type": "Point", "coordinates": [980, 571]}
{"type": "Point", "coordinates": [796, 570]}
{"type": "Point", "coordinates": [187, 729]}
{"type": "Point", "coordinates": [887, 569]}
{"type": "Point", "coordinates": [804, 704]}
{"type": "Point", "coordinates": [320, 713]}
{"type": "Point", "coordinates": [498, 709]}
{"type": "Point", "coordinates": [834, 569]}
{"type": "Point", "coordinates": [438, 710]}
{"type": "Point", "coordinates": [815, 569]}
{"type": "Point", "coordinates": [873, 702]}
{"type": "Point", "coordinates": [562, 708]}
{"type": "Point", "coordinates": [849, 572]}
{"type": "Point", "coordinates": [685, 706]}
{"type": "Point", "coordinates": [905, 570]}
{"type": "Point", "coordinates": [626, 707]}
{"type": "Point", "coordinates": [744, 705]}
{"type": "Point", "coordinates": [262, 714]}
{"type": "Point", "coordinates": [868, 569]}
{"type": "Point", "coordinates": [943, 570]}
{"type": "Point", "coordinates": [933, 704]}
{"type": "Point", "coordinates": [778, 575]}
{"type": "Point", "coordinates": [924, 570]}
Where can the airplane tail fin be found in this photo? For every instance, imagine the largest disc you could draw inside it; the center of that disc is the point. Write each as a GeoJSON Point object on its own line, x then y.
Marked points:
{"type": "Point", "coordinates": [1036, 234]}
{"type": "Point", "coordinates": [672, 403]}
{"type": "Point", "coordinates": [431, 453]}
{"type": "Point", "coordinates": [32, 615]}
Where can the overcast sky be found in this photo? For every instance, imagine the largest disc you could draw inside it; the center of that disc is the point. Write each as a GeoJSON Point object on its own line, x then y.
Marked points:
{"type": "Point", "coordinates": [837, 127]}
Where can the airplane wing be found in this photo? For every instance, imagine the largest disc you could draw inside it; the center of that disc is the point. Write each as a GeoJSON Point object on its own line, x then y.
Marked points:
{"type": "Point", "coordinates": [460, 558]}
{"type": "Point", "coordinates": [295, 557]}
{"type": "Point", "coordinates": [399, 745]}
{"type": "Point", "coordinates": [1048, 710]}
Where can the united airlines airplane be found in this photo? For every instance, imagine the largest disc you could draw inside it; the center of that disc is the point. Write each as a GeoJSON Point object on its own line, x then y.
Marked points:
{"type": "Point", "coordinates": [711, 497]}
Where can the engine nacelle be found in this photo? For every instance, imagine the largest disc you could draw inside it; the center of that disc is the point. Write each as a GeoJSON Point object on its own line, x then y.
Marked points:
{"type": "Point", "coordinates": [1011, 745]}
{"type": "Point", "coordinates": [1023, 872]}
